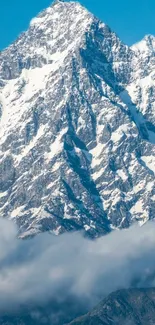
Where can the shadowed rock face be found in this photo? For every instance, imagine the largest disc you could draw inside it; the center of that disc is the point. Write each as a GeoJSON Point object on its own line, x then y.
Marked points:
{"type": "Point", "coordinates": [77, 127]}
{"type": "Point", "coordinates": [125, 307]}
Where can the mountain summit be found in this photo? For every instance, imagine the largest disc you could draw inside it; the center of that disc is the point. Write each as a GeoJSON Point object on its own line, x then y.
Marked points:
{"type": "Point", "coordinates": [77, 126]}
{"type": "Point", "coordinates": [146, 46]}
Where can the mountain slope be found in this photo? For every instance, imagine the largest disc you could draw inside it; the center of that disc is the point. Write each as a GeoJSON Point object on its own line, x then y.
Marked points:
{"type": "Point", "coordinates": [76, 135]}
{"type": "Point", "coordinates": [53, 312]}
{"type": "Point", "coordinates": [125, 307]}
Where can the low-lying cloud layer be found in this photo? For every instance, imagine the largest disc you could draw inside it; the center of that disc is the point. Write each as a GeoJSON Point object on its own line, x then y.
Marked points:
{"type": "Point", "coordinates": [47, 267]}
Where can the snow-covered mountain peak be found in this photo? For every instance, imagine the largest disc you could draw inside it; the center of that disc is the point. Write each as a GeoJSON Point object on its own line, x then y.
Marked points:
{"type": "Point", "coordinates": [76, 126]}
{"type": "Point", "coordinates": [146, 45]}
{"type": "Point", "coordinates": [50, 37]}
{"type": "Point", "coordinates": [61, 11]}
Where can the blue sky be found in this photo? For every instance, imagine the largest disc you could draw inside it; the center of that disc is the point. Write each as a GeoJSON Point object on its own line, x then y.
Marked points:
{"type": "Point", "coordinates": [130, 19]}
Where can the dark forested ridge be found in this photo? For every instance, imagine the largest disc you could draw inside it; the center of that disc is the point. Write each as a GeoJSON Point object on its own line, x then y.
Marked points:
{"type": "Point", "coordinates": [125, 307]}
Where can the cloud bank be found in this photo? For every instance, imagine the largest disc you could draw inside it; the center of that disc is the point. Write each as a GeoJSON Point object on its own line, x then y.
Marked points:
{"type": "Point", "coordinates": [49, 267]}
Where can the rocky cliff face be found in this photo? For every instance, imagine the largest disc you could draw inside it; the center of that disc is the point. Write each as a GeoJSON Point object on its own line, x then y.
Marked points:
{"type": "Point", "coordinates": [77, 126]}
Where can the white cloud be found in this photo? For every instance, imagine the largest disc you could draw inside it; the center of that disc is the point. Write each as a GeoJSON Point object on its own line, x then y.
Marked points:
{"type": "Point", "coordinates": [46, 266]}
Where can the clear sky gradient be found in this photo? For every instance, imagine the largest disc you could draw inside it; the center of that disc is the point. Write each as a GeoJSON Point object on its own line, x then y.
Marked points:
{"type": "Point", "coordinates": [130, 19]}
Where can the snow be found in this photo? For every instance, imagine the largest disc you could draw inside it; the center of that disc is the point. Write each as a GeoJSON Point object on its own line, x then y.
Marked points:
{"type": "Point", "coordinates": [98, 174]}
{"type": "Point", "coordinates": [77, 150]}
{"type": "Point", "coordinates": [149, 161]}
{"type": "Point", "coordinates": [35, 79]}
{"type": "Point", "coordinates": [3, 194]}
{"type": "Point", "coordinates": [86, 227]}
{"type": "Point", "coordinates": [31, 145]}
{"type": "Point", "coordinates": [35, 211]}
{"type": "Point", "coordinates": [138, 207]}
{"type": "Point", "coordinates": [96, 152]}
{"type": "Point", "coordinates": [143, 85]}
{"type": "Point", "coordinates": [144, 46]}
{"type": "Point", "coordinates": [57, 146]}
{"type": "Point", "coordinates": [122, 174]}
{"type": "Point", "coordinates": [40, 22]}
{"type": "Point", "coordinates": [139, 210]}
{"type": "Point", "coordinates": [14, 105]}
{"type": "Point", "coordinates": [114, 198]}
{"type": "Point", "coordinates": [56, 166]}
{"type": "Point", "coordinates": [138, 187]}
{"type": "Point", "coordinates": [66, 213]}
{"type": "Point", "coordinates": [56, 231]}
{"type": "Point", "coordinates": [150, 186]}
{"type": "Point", "coordinates": [53, 183]}
{"type": "Point", "coordinates": [119, 133]}
{"type": "Point", "coordinates": [48, 87]}
{"type": "Point", "coordinates": [37, 21]}
{"type": "Point", "coordinates": [16, 212]}
{"type": "Point", "coordinates": [138, 118]}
